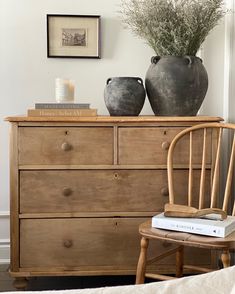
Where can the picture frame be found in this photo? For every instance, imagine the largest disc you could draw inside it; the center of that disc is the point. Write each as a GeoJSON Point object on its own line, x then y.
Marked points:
{"type": "Point", "coordinates": [73, 36]}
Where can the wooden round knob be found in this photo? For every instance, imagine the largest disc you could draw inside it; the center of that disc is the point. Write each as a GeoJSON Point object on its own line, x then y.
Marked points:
{"type": "Point", "coordinates": [66, 146]}
{"type": "Point", "coordinates": [68, 243]}
{"type": "Point", "coordinates": [165, 145]}
{"type": "Point", "coordinates": [165, 191]}
{"type": "Point", "coordinates": [67, 191]}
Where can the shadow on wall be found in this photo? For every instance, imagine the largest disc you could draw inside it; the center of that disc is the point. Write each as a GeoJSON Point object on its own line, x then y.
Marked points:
{"type": "Point", "coordinates": [110, 30]}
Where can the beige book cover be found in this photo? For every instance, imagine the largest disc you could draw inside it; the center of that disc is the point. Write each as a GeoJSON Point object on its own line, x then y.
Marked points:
{"type": "Point", "coordinates": [62, 112]}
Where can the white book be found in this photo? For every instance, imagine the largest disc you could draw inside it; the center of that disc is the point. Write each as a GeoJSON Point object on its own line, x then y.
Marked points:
{"type": "Point", "coordinates": [201, 226]}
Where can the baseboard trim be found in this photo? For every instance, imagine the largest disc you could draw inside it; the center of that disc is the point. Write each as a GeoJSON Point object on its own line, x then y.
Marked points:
{"type": "Point", "coordinates": [4, 251]}
{"type": "Point", "coordinates": [4, 242]}
{"type": "Point", "coordinates": [5, 261]}
{"type": "Point", "coordinates": [4, 214]}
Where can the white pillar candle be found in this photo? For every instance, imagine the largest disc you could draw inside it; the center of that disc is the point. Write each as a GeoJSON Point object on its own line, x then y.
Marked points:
{"type": "Point", "coordinates": [64, 90]}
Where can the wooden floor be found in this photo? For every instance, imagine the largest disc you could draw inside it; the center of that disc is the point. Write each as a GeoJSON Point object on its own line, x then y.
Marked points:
{"type": "Point", "coordinates": [5, 279]}
{"type": "Point", "coordinates": [61, 283]}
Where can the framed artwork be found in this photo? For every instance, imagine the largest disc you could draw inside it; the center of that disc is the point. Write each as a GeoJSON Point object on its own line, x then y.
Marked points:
{"type": "Point", "coordinates": [73, 36]}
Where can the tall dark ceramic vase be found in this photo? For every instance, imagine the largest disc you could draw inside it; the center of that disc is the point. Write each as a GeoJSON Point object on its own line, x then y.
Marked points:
{"type": "Point", "coordinates": [124, 96]}
{"type": "Point", "coordinates": [176, 86]}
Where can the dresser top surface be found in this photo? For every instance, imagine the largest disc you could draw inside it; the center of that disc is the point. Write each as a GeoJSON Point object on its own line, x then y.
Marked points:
{"type": "Point", "coordinates": [114, 119]}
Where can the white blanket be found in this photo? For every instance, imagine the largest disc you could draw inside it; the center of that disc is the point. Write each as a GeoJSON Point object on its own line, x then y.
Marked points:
{"type": "Point", "coordinates": [218, 282]}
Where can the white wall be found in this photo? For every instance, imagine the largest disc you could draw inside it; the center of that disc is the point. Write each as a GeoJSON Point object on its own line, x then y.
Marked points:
{"type": "Point", "coordinates": [213, 60]}
{"type": "Point", "coordinates": [27, 75]}
{"type": "Point", "coordinates": [230, 47]}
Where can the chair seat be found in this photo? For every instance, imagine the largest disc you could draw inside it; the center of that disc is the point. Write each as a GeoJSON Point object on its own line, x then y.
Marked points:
{"type": "Point", "coordinates": [182, 238]}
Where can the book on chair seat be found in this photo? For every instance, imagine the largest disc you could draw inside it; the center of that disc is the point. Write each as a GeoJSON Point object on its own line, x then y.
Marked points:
{"type": "Point", "coordinates": [201, 226]}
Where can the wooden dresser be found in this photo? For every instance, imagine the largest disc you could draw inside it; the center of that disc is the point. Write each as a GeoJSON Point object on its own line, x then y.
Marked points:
{"type": "Point", "coordinates": [81, 186]}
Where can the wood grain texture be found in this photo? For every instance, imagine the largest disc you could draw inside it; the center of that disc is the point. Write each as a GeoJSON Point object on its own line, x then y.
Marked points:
{"type": "Point", "coordinates": [214, 147]}
{"type": "Point", "coordinates": [103, 166]}
{"type": "Point", "coordinates": [99, 191]}
{"type": "Point", "coordinates": [86, 214]}
{"type": "Point", "coordinates": [116, 119]}
{"type": "Point", "coordinates": [179, 262]}
{"type": "Point", "coordinates": [92, 191]}
{"type": "Point", "coordinates": [159, 277]}
{"type": "Point", "coordinates": [14, 198]}
{"type": "Point", "coordinates": [203, 172]}
{"type": "Point", "coordinates": [195, 152]}
{"type": "Point", "coordinates": [91, 182]}
{"type": "Point", "coordinates": [229, 181]}
{"type": "Point", "coordinates": [190, 176]}
{"type": "Point", "coordinates": [225, 258]}
{"type": "Point", "coordinates": [20, 284]}
{"type": "Point", "coordinates": [163, 255]}
{"type": "Point", "coordinates": [198, 268]}
{"type": "Point", "coordinates": [186, 239]}
{"type": "Point", "coordinates": [146, 146]}
{"type": "Point", "coordinates": [215, 182]}
{"type": "Point", "coordinates": [176, 210]}
{"type": "Point", "coordinates": [44, 145]}
{"type": "Point", "coordinates": [79, 242]}
{"type": "Point", "coordinates": [141, 266]}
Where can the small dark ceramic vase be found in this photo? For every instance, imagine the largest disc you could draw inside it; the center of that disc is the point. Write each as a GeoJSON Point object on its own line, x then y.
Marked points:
{"type": "Point", "coordinates": [175, 85]}
{"type": "Point", "coordinates": [124, 96]}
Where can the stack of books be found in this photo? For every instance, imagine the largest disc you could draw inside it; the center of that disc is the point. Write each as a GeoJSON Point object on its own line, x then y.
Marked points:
{"type": "Point", "coordinates": [62, 109]}
{"type": "Point", "coordinates": [201, 226]}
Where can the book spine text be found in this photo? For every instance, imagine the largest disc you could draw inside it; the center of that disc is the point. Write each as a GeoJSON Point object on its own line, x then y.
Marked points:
{"type": "Point", "coordinates": [62, 112]}
{"type": "Point", "coordinates": [188, 228]}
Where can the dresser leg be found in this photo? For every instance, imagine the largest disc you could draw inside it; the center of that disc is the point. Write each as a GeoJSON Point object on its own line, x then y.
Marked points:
{"type": "Point", "coordinates": [20, 283]}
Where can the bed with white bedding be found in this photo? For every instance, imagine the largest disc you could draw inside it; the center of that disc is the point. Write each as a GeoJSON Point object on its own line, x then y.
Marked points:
{"type": "Point", "coordinates": [217, 282]}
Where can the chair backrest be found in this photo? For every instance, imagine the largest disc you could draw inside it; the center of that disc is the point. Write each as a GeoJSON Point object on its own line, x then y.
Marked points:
{"type": "Point", "coordinates": [198, 150]}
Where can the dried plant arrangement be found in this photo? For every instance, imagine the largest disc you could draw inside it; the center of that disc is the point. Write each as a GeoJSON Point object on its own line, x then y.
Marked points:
{"type": "Point", "coordinates": [172, 27]}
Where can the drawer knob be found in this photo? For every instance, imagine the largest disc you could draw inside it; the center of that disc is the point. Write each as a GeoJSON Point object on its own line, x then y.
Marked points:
{"type": "Point", "coordinates": [68, 243]}
{"type": "Point", "coordinates": [165, 145]}
{"type": "Point", "coordinates": [165, 191]}
{"type": "Point", "coordinates": [67, 191]}
{"type": "Point", "coordinates": [66, 146]}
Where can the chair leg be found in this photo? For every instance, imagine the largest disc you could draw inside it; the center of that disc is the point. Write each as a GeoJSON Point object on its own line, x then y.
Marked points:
{"type": "Point", "coordinates": [141, 267]}
{"type": "Point", "coordinates": [179, 261]}
{"type": "Point", "coordinates": [225, 258]}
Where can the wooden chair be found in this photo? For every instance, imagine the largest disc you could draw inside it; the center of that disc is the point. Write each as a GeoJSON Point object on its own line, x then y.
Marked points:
{"type": "Point", "coordinates": [212, 136]}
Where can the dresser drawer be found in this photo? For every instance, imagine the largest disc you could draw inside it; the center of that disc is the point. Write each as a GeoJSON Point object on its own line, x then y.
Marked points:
{"type": "Point", "coordinates": [149, 146]}
{"type": "Point", "coordinates": [100, 190]}
{"type": "Point", "coordinates": [92, 191]}
{"type": "Point", "coordinates": [61, 145]}
{"type": "Point", "coordinates": [79, 242]}
{"type": "Point", "coordinates": [89, 242]}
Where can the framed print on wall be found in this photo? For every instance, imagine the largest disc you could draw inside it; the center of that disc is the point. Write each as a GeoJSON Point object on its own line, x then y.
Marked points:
{"type": "Point", "coordinates": [73, 36]}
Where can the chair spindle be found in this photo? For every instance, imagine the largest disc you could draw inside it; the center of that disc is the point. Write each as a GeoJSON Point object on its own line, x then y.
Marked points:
{"type": "Point", "coordinates": [203, 172]}
{"type": "Point", "coordinates": [233, 213]}
{"type": "Point", "coordinates": [228, 186]}
{"type": "Point", "coordinates": [190, 178]}
{"type": "Point", "coordinates": [215, 182]}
